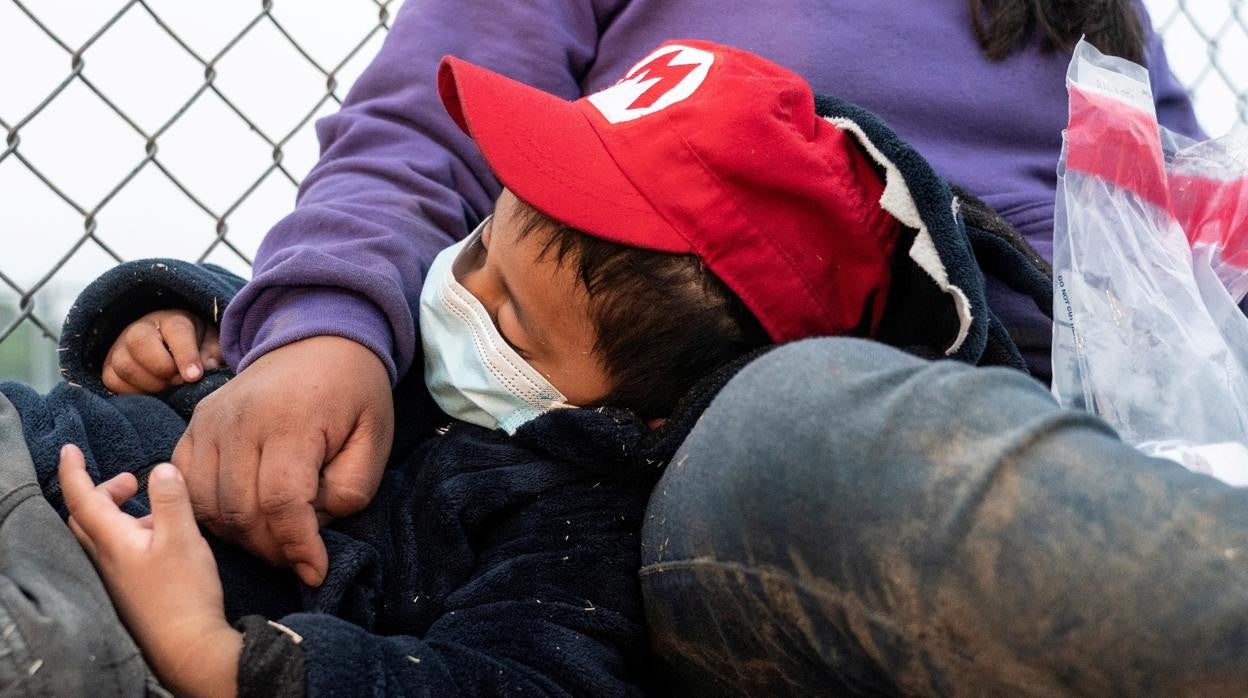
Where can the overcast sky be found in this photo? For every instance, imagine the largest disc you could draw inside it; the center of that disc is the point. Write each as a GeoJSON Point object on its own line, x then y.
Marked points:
{"type": "Point", "coordinates": [86, 149]}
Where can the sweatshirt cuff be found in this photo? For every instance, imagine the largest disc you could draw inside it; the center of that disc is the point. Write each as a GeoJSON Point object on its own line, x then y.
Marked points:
{"type": "Point", "coordinates": [282, 315]}
{"type": "Point", "coordinates": [272, 662]}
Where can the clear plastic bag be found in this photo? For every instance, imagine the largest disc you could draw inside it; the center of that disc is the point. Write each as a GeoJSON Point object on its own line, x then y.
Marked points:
{"type": "Point", "coordinates": [1150, 261]}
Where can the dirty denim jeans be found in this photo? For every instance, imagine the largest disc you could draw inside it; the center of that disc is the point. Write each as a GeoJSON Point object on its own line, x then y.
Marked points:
{"type": "Point", "coordinates": [59, 635]}
{"type": "Point", "coordinates": [850, 519]}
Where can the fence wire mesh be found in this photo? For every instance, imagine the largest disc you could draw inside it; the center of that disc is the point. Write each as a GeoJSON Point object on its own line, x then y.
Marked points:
{"type": "Point", "coordinates": [1207, 44]}
{"type": "Point", "coordinates": [143, 155]}
{"type": "Point", "coordinates": [44, 28]}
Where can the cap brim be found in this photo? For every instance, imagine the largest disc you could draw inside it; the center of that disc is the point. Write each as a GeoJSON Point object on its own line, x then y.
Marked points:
{"type": "Point", "coordinates": [546, 151]}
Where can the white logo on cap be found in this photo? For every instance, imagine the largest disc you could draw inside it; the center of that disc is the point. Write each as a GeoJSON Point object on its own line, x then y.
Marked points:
{"type": "Point", "coordinates": [659, 80]}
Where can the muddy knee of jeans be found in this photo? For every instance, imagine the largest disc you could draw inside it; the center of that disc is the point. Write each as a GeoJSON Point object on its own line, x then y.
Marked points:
{"type": "Point", "coordinates": [729, 629]}
{"type": "Point", "coordinates": [832, 438]}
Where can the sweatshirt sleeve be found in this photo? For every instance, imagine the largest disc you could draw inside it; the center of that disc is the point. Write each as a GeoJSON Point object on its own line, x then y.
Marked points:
{"type": "Point", "coordinates": [552, 607]}
{"type": "Point", "coordinates": [397, 180]}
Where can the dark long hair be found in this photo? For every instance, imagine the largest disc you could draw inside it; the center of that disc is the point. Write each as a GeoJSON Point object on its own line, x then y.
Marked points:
{"type": "Point", "coordinates": [1004, 26]}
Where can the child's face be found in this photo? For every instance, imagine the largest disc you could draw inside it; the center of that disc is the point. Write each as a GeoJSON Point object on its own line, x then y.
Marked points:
{"type": "Point", "coordinates": [538, 305]}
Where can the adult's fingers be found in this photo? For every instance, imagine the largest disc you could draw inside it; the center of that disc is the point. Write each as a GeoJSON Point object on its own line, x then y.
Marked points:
{"type": "Point", "coordinates": [238, 498]}
{"type": "Point", "coordinates": [351, 478]}
{"type": "Point", "coordinates": [172, 517]}
{"type": "Point", "coordinates": [197, 459]}
{"type": "Point", "coordinates": [181, 334]}
{"type": "Point", "coordinates": [221, 442]}
{"type": "Point", "coordinates": [182, 451]}
{"type": "Point", "coordinates": [287, 488]}
{"type": "Point", "coordinates": [275, 396]}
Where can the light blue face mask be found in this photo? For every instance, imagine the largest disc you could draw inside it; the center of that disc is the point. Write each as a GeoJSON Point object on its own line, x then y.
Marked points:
{"type": "Point", "coordinates": [471, 371]}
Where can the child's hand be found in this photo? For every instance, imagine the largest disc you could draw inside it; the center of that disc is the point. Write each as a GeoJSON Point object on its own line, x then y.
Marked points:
{"type": "Point", "coordinates": [160, 349]}
{"type": "Point", "coordinates": [160, 574]}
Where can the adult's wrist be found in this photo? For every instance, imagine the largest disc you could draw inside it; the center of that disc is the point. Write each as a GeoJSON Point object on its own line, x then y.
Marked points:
{"type": "Point", "coordinates": [281, 316]}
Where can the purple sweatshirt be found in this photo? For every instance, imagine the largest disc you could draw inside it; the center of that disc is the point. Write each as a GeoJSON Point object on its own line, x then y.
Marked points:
{"type": "Point", "coordinates": [398, 181]}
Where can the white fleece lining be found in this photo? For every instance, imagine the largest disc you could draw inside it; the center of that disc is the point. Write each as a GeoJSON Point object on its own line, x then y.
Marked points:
{"type": "Point", "coordinates": [898, 201]}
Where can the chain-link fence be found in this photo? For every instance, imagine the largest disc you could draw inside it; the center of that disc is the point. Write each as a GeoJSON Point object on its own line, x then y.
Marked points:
{"type": "Point", "coordinates": [1207, 43]}
{"type": "Point", "coordinates": [167, 128]}
{"type": "Point", "coordinates": [150, 128]}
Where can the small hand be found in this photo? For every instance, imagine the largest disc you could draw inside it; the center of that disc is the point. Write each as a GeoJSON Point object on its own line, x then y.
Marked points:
{"type": "Point", "coordinates": [160, 574]}
{"type": "Point", "coordinates": [160, 349]}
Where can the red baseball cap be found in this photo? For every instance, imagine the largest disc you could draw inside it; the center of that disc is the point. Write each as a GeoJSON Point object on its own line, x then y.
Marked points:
{"type": "Point", "coordinates": [706, 149]}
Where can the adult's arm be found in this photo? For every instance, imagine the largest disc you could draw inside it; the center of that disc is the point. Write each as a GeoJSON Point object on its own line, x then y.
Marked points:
{"type": "Point", "coordinates": [397, 180]}
{"type": "Point", "coordinates": [326, 326]}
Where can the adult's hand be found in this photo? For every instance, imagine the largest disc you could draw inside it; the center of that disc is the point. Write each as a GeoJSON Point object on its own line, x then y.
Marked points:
{"type": "Point", "coordinates": [305, 429]}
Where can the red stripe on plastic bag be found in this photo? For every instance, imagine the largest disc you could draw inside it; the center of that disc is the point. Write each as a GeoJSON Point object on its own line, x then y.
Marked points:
{"type": "Point", "coordinates": [1109, 139]}
{"type": "Point", "coordinates": [1118, 143]}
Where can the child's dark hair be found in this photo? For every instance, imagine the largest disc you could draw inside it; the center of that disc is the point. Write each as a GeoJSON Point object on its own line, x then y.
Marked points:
{"type": "Point", "coordinates": [663, 321]}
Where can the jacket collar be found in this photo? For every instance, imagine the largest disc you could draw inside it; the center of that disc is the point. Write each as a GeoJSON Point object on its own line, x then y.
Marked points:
{"type": "Point", "coordinates": [937, 304]}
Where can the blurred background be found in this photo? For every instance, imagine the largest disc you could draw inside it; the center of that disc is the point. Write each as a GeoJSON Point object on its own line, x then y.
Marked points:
{"type": "Point", "coordinates": [181, 129]}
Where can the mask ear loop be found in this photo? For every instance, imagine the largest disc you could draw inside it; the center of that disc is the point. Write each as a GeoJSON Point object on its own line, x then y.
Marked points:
{"type": "Point", "coordinates": [470, 243]}
{"type": "Point", "coordinates": [474, 238]}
